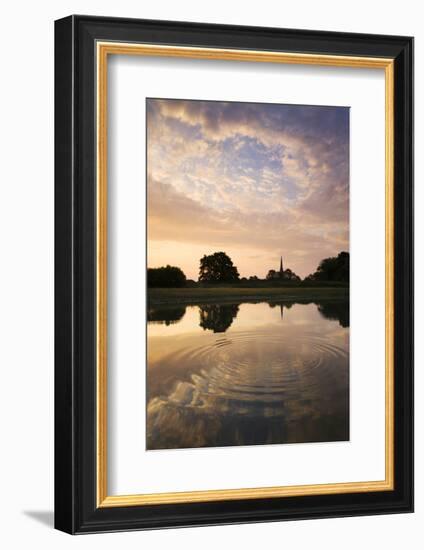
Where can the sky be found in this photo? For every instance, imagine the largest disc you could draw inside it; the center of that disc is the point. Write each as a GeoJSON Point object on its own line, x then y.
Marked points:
{"type": "Point", "coordinates": [257, 181]}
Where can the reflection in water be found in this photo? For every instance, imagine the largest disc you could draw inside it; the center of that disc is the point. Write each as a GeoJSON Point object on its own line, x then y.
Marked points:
{"type": "Point", "coordinates": [256, 376]}
{"type": "Point", "coordinates": [165, 315]}
{"type": "Point", "coordinates": [217, 317]}
{"type": "Point", "coordinates": [281, 307]}
{"type": "Point", "coordinates": [336, 311]}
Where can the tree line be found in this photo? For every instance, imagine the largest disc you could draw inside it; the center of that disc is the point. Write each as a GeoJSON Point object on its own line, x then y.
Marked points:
{"type": "Point", "coordinates": [218, 268]}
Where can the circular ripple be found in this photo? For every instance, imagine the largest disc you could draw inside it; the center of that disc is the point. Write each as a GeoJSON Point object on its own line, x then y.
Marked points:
{"type": "Point", "coordinates": [251, 387]}
{"type": "Point", "coordinates": [256, 367]}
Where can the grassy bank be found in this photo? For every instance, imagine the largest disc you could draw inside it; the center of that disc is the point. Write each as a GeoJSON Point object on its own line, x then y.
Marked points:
{"type": "Point", "coordinates": [170, 296]}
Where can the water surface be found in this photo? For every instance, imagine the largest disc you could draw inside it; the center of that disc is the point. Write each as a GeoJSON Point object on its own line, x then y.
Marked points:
{"type": "Point", "coordinates": [247, 374]}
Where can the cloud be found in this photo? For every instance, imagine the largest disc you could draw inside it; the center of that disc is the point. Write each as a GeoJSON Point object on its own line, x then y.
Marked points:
{"type": "Point", "coordinates": [273, 178]}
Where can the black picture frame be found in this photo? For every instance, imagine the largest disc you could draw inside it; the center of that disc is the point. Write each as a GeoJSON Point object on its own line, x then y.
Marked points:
{"type": "Point", "coordinates": [76, 508]}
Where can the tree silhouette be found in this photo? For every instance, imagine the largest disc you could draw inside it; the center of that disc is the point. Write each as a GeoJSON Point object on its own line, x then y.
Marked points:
{"type": "Point", "coordinates": [217, 268]}
{"type": "Point", "coordinates": [332, 269]}
{"type": "Point", "coordinates": [168, 276]}
{"type": "Point", "coordinates": [286, 275]}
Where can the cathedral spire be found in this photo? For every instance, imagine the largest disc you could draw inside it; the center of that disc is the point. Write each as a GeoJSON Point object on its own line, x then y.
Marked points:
{"type": "Point", "coordinates": [281, 264]}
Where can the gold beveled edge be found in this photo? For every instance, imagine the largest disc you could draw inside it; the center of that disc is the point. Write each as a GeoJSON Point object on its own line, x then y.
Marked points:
{"type": "Point", "coordinates": [123, 48]}
{"type": "Point", "coordinates": [101, 289]}
{"type": "Point", "coordinates": [244, 494]}
{"type": "Point", "coordinates": [117, 48]}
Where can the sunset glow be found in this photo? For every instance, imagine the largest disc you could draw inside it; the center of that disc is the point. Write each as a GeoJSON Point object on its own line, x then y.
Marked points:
{"type": "Point", "coordinates": [257, 181]}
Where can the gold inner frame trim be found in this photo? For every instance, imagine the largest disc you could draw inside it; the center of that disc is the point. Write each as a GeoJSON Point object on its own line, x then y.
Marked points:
{"type": "Point", "coordinates": [104, 49]}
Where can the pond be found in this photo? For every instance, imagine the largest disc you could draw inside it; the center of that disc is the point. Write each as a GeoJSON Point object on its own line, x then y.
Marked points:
{"type": "Point", "coordinates": [222, 374]}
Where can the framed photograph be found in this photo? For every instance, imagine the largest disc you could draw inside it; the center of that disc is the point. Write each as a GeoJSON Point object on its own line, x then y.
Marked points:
{"type": "Point", "coordinates": [234, 274]}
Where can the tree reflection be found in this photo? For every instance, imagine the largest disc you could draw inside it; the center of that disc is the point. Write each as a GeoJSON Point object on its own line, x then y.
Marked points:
{"type": "Point", "coordinates": [165, 316]}
{"type": "Point", "coordinates": [217, 317]}
{"type": "Point", "coordinates": [335, 311]}
{"type": "Point", "coordinates": [331, 310]}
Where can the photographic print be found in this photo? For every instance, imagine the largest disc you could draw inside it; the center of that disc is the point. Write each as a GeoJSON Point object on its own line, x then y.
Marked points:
{"type": "Point", "coordinates": [247, 274]}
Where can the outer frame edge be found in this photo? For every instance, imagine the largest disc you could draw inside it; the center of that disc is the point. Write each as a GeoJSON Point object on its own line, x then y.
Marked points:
{"type": "Point", "coordinates": [64, 448]}
{"type": "Point", "coordinates": [97, 521]}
